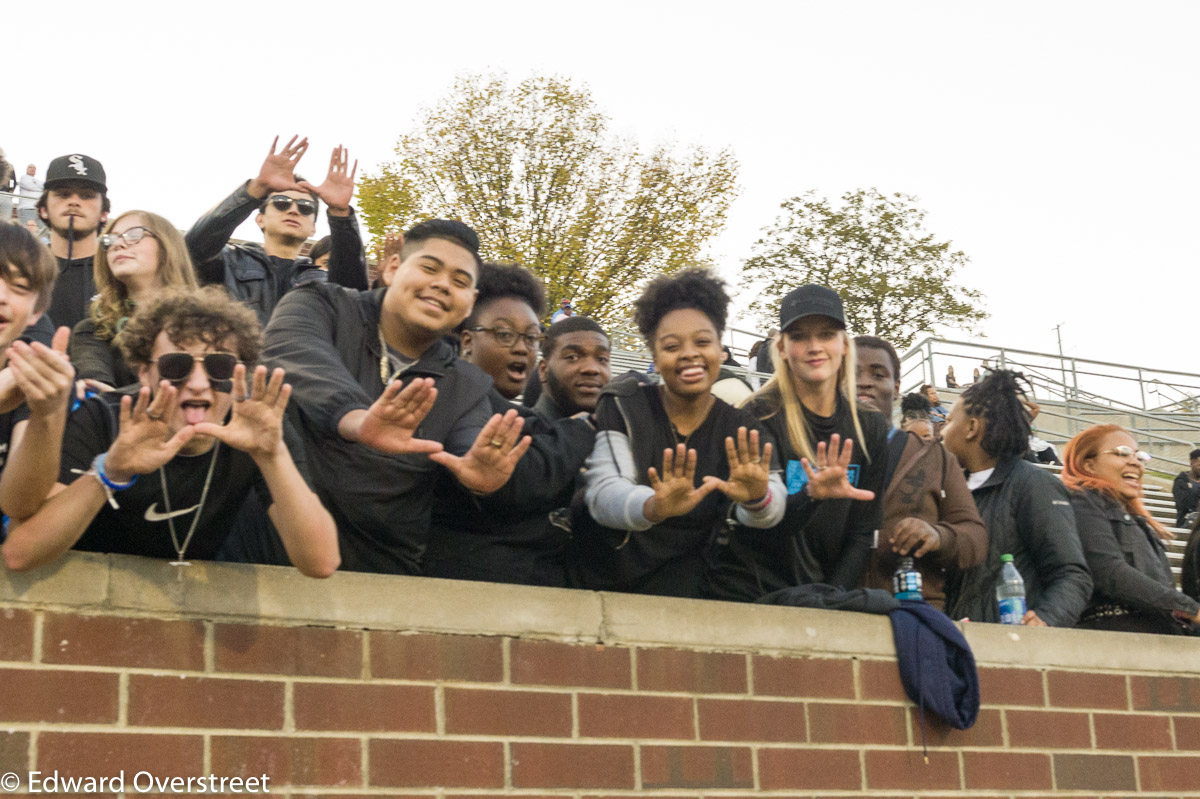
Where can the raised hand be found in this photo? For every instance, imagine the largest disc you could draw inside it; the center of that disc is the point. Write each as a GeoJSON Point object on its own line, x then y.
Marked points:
{"type": "Point", "coordinates": [44, 375]}
{"type": "Point", "coordinates": [390, 424]}
{"type": "Point", "coordinates": [675, 493]}
{"type": "Point", "coordinates": [748, 469]}
{"type": "Point", "coordinates": [915, 536]}
{"type": "Point", "coordinates": [491, 459]}
{"type": "Point", "coordinates": [256, 423]}
{"type": "Point", "coordinates": [278, 170]}
{"type": "Point", "coordinates": [831, 480]}
{"type": "Point", "coordinates": [144, 441]}
{"type": "Point", "coordinates": [338, 188]}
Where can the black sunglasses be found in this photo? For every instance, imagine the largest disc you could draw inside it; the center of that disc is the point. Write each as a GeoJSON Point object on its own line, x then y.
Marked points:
{"type": "Point", "coordinates": [176, 367]}
{"type": "Point", "coordinates": [281, 202]}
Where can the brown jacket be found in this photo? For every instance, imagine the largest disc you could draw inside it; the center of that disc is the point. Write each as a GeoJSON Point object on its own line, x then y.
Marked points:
{"type": "Point", "coordinates": [929, 484]}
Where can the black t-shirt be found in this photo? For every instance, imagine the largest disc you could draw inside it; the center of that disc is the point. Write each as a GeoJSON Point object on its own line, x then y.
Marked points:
{"type": "Point", "coordinates": [140, 525]}
{"type": "Point", "coordinates": [73, 292]}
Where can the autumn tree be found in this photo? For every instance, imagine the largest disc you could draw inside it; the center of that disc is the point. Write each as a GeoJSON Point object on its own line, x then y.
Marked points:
{"type": "Point", "coordinates": [533, 168]}
{"type": "Point", "coordinates": [896, 280]}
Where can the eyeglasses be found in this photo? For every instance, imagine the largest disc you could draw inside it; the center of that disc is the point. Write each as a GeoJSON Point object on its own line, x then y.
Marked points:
{"type": "Point", "coordinates": [507, 337]}
{"type": "Point", "coordinates": [281, 202]}
{"type": "Point", "coordinates": [130, 237]}
{"type": "Point", "coordinates": [1128, 452]}
{"type": "Point", "coordinates": [176, 367]}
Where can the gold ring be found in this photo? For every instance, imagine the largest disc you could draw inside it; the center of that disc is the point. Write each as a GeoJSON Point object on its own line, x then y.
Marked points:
{"type": "Point", "coordinates": [496, 442]}
{"type": "Point", "coordinates": [152, 417]}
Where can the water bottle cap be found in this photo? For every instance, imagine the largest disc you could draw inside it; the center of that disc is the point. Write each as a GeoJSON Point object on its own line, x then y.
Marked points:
{"type": "Point", "coordinates": [1006, 558]}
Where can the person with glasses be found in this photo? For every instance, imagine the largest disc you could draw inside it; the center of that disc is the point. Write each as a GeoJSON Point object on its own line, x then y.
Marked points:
{"type": "Point", "coordinates": [1134, 587]}
{"type": "Point", "coordinates": [140, 255]}
{"type": "Point", "coordinates": [260, 274]}
{"type": "Point", "coordinates": [510, 536]}
{"type": "Point", "coordinates": [161, 469]}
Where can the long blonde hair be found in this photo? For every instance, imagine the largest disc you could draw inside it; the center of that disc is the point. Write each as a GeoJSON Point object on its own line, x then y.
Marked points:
{"type": "Point", "coordinates": [112, 303]}
{"type": "Point", "coordinates": [783, 384]}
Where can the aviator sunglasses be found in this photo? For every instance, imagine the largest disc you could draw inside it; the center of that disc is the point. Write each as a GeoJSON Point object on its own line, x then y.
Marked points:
{"type": "Point", "coordinates": [176, 367]}
{"type": "Point", "coordinates": [283, 203]}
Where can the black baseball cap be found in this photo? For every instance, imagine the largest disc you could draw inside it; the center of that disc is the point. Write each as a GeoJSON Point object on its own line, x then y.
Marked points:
{"type": "Point", "coordinates": [811, 300]}
{"type": "Point", "coordinates": [76, 168]}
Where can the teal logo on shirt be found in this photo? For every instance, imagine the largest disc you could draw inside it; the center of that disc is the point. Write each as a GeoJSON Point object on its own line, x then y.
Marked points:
{"type": "Point", "coordinates": [797, 477]}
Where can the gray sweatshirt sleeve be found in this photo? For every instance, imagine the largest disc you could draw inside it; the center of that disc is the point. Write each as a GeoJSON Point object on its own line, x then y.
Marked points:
{"type": "Point", "coordinates": [614, 497]}
{"type": "Point", "coordinates": [770, 514]}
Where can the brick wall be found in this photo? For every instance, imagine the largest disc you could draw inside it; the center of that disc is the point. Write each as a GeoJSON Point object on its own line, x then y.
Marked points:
{"type": "Point", "coordinates": [365, 685]}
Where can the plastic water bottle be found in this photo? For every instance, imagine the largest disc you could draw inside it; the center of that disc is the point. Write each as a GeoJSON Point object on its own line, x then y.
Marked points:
{"type": "Point", "coordinates": [906, 580]}
{"type": "Point", "coordinates": [1010, 592]}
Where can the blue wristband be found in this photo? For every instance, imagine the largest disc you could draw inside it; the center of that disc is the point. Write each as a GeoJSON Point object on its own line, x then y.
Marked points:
{"type": "Point", "coordinates": [98, 465]}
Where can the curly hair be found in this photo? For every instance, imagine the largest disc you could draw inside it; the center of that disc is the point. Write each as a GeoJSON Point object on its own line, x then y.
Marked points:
{"type": "Point", "coordinates": [915, 407]}
{"type": "Point", "coordinates": [208, 315]}
{"type": "Point", "coordinates": [112, 305]}
{"type": "Point", "coordinates": [497, 281]}
{"type": "Point", "coordinates": [697, 288]}
{"type": "Point", "coordinates": [999, 400]}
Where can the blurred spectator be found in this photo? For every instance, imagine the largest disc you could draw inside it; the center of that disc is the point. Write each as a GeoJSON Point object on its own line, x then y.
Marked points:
{"type": "Point", "coordinates": [914, 417]}
{"type": "Point", "coordinates": [763, 363]}
{"type": "Point", "coordinates": [951, 381]}
{"type": "Point", "coordinates": [1027, 510]}
{"type": "Point", "coordinates": [565, 309]}
{"type": "Point", "coordinates": [1134, 587]}
{"type": "Point", "coordinates": [74, 205]}
{"type": "Point", "coordinates": [31, 187]}
{"type": "Point", "coordinates": [937, 411]}
{"type": "Point", "coordinates": [8, 182]}
{"type": "Point", "coordinates": [1186, 489]}
{"type": "Point", "coordinates": [1190, 578]}
{"type": "Point", "coordinates": [1040, 450]}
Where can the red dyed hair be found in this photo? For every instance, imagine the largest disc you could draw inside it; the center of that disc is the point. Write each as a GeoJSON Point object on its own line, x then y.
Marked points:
{"type": "Point", "coordinates": [1087, 445]}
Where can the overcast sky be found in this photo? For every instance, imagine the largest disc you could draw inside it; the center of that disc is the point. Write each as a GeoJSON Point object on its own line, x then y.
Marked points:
{"type": "Point", "coordinates": [1054, 142]}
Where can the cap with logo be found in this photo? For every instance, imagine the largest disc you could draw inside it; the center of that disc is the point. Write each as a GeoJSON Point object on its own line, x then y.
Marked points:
{"type": "Point", "coordinates": [76, 168]}
{"type": "Point", "coordinates": [811, 300]}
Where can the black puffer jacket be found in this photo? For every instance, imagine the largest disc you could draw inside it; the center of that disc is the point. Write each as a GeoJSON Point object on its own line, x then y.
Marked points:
{"type": "Point", "coordinates": [1027, 512]}
{"type": "Point", "coordinates": [256, 278]}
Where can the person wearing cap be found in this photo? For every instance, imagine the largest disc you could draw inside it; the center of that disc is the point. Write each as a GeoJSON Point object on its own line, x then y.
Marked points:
{"type": "Point", "coordinates": [565, 311]}
{"type": "Point", "coordinates": [260, 274]}
{"type": "Point", "coordinates": [833, 456]}
{"type": "Point", "coordinates": [74, 205]}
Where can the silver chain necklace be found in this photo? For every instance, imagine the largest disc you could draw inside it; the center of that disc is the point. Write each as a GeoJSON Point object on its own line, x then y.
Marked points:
{"type": "Point", "coordinates": [162, 475]}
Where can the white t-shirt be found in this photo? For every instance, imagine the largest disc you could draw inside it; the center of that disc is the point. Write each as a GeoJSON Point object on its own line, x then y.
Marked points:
{"type": "Point", "coordinates": [30, 189]}
{"type": "Point", "coordinates": [976, 479]}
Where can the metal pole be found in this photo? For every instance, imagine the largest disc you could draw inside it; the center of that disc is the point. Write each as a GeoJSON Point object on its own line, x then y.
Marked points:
{"type": "Point", "coordinates": [1142, 388]}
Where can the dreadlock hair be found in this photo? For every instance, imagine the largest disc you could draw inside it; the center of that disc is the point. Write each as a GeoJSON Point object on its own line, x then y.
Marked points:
{"type": "Point", "coordinates": [915, 407]}
{"type": "Point", "coordinates": [1086, 446]}
{"type": "Point", "coordinates": [497, 281]}
{"type": "Point", "coordinates": [999, 400]}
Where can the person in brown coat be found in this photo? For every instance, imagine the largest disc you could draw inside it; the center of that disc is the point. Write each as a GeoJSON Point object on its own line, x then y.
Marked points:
{"type": "Point", "coordinates": [928, 512]}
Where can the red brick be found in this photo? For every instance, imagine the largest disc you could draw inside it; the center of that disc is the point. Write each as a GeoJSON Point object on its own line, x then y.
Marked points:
{"type": "Point", "coordinates": [16, 634]}
{"type": "Point", "coordinates": [1079, 689]}
{"type": "Point", "coordinates": [1124, 731]}
{"type": "Point", "coordinates": [426, 764]}
{"type": "Point", "coordinates": [821, 769]}
{"type": "Point", "coordinates": [709, 767]}
{"type": "Point", "coordinates": [352, 707]}
{"type": "Point", "coordinates": [485, 712]}
{"type": "Point", "coordinates": [303, 651]}
{"type": "Point", "coordinates": [907, 770]}
{"type": "Point", "coordinates": [743, 720]}
{"type": "Point", "coordinates": [699, 672]}
{"type": "Point", "coordinates": [635, 716]}
{"type": "Point", "coordinates": [1007, 770]}
{"type": "Point", "coordinates": [1187, 732]}
{"type": "Point", "coordinates": [122, 641]}
{"type": "Point", "coordinates": [857, 724]}
{"type": "Point", "coordinates": [289, 761]}
{"type": "Point", "coordinates": [1011, 687]}
{"type": "Point", "coordinates": [205, 702]}
{"type": "Point", "coordinates": [1097, 773]}
{"type": "Point", "coordinates": [50, 695]}
{"type": "Point", "coordinates": [550, 663]}
{"type": "Point", "coordinates": [90, 754]}
{"type": "Point", "coordinates": [1160, 774]}
{"type": "Point", "coordinates": [816, 677]}
{"type": "Point", "coordinates": [988, 730]}
{"type": "Point", "coordinates": [1048, 729]}
{"type": "Point", "coordinates": [1166, 693]}
{"type": "Point", "coordinates": [14, 751]}
{"type": "Point", "coordinates": [881, 680]}
{"type": "Point", "coordinates": [539, 765]}
{"type": "Point", "coordinates": [461, 658]}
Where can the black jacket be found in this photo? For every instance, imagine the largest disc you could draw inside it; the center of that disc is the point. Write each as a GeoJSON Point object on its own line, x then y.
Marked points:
{"type": "Point", "coordinates": [1028, 515]}
{"type": "Point", "coordinates": [520, 533]}
{"type": "Point", "coordinates": [254, 277]}
{"type": "Point", "coordinates": [1128, 562]}
{"type": "Point", "coordinates": [326, 337]}
{"type": "Point", "coordinates": [1187, 496]}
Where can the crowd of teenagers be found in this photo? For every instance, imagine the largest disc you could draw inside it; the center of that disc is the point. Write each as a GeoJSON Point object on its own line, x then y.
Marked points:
{"type": "Point", "coordinates": [181, 397]}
